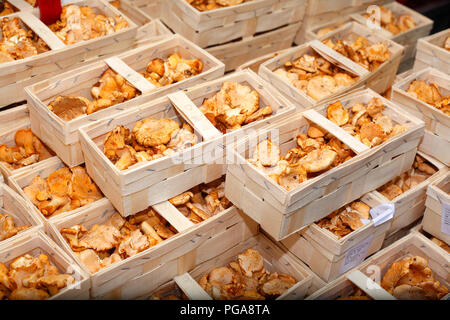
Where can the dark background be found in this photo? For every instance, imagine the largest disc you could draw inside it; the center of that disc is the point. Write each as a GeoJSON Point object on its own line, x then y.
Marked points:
{"type": "Point", "coordinates": [437, 10]}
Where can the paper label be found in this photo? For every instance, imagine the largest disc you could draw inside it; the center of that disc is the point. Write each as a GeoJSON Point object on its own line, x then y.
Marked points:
{"type": "Point", "coordinates": [445, 223]}
{"type": "Point", "coordinates": [356, 255]}
{"type": "Point", "coordinates": [382, 213]}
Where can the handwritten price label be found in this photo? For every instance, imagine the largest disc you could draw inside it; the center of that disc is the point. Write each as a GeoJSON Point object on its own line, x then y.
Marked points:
{"type": "Point", "coordinates": [356, 255]}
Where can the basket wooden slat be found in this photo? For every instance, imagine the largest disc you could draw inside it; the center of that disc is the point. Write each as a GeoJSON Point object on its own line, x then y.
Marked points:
{"type": "Point", "coordinates": [39, 243]}
{"type": "Point", "coordinates": [16, 75]}
{"type": "Point", "coordinates": [377, 265]}
{"type": "Point", "coordinates": [151, 32]}
{"type": "Point", "coordinates": [11, 121]}
{"type": "Point", "coordinates": [437, 141]}
{"type": "Point", "coordinates": [142, 273]}
{"type": "Point", "coordinates": [148, 183]}
{"type": "Point", "coordinates": [431, 52]}
{"type": "Point", "coordinates": [132, 11]}
{"type": "Point", "coordinates": [340, 24]}
{"type": "Point", "coordinates": [254, 64]}
{"type": "Point", "coordinates": [62, 136]}
{"type": "Point", "coordinates": [435, 220]}
{"type": "Point", "coordinates": [234, 53]}
{"type": "Point", "coordinates": [151, 8]}
{"type": "Point", "coordinates": [419, 229]}
{"type": "Point", "coordinates": [282, 213]}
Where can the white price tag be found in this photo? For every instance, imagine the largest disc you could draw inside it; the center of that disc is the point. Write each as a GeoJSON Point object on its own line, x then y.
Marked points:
{"type": "Point", "coordinates": [382, 213]}
{"type": "Point", "coordinates": [445, 223]}
{"type": "Point", "coordinates": [355, 255]}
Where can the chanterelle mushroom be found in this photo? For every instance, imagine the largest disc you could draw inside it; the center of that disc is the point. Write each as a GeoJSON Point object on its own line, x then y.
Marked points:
{"type": "Point", "coordinates": [411, 278]}
{"type": "Point", "coordinates": [63, 190]}
{"type": "Point", "coordinates": [245, 279]}
{"type": "Point", "coordinates": [251, 262]}
{"type": "Point", "coordinates": [69, 108]}
{"type": "Point", "coordinates": [32, 278]}
{"type": "Point", "coordinates": [79, 23]}
{"type": "Point", "coordinates": [234, 105]}
{"type": "Point", "coordinates": [153, 132]}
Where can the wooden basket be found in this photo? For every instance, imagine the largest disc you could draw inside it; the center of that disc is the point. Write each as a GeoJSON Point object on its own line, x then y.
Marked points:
{"type": "Point", "coordinates": [235, 53]}
{"type": "Point", "coordinates": [223, 25]}
{"type": "Point", "coordinates": [238, 33]}
{"type": "Point", "coordinates": [11, 121]}
{"type": "Point", "coordinates": [38, 243]}
{"type": "Point", "coordinates": [409, 38]}
{"type": "Point", "coordinates": [145, 184]}
{"type": "Point", "coordinates": [22, 180]}
{"type": "Point", "coordinates": [327, 255]}
{"type": "Point", "coordinates": [280, 212]}
{"type": "Point", "coordinates": [16, 75]}
{"type": "Point", "coordinates": [376, 266]}
{"type": "Point", "coordinates": [137, 275]}
{"type": "Point", "coordinates": [62, 136]}
{"type": "Point", "coordinates": [324, 13]}
{"type": "Point", "coordinates": [431, 53]}
{"type": "Point", "coordinates": [301, 100]}
{"type": "Point", "coordinates": [436, 141]}
{"type": "Point", "coordinates": [383, 77]}
{"type": "Point", "coordinates": [436, 217]}
{"type": "Point", "coordinates": [16, 207]}
{"type": "Point", "coordinates": [276, 259]}
{"type": "Point", "coordinates": [419, 229]}
{"type": "Point", "coordinates": [410, 205]}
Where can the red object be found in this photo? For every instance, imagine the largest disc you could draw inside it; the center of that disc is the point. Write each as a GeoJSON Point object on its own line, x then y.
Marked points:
{"type": "Point", "coordinates": [50, 10]}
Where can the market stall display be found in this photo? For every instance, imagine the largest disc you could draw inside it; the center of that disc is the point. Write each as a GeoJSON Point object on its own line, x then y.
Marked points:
{"type": "Point", "coordinates": [137, 170]}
